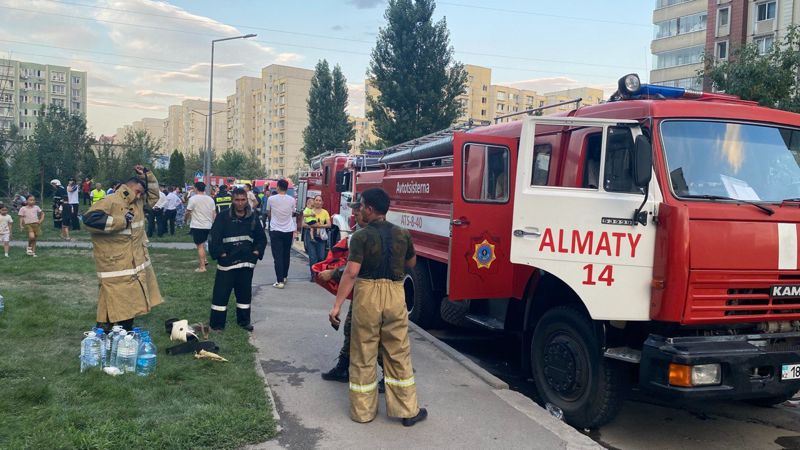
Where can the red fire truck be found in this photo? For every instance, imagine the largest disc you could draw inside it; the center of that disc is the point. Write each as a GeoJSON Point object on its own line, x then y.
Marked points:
{"type": "Point", "coordinates": [650, 241]}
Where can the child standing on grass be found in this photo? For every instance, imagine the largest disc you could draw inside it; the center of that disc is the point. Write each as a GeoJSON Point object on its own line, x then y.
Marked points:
{"type": "Point", "coordinates": [5, 228]}
{"type": "Point", "coordinates": [31, 218]}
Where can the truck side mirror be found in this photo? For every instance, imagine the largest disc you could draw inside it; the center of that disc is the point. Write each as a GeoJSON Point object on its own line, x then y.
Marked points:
{"type": "Point", "coordinates": [342, 181]}
{"type": "Point", "coordinates": [642, 162]}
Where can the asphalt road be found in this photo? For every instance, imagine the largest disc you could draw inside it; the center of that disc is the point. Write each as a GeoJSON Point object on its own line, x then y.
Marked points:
{"type": "Point", "coordinates": [645, 423]}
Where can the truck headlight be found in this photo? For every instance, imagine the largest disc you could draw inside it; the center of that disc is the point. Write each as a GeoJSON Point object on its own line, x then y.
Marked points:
{"type": "Point", "coordinates": [706, 374]}
{"type": "Point", "coordinates": [699, 375]}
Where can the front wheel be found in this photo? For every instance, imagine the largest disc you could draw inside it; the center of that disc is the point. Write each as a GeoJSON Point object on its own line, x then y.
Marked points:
{"type": "Point", "coordinates": [570, 371]}
{"type": "Point", "coordinates": [422, 303]}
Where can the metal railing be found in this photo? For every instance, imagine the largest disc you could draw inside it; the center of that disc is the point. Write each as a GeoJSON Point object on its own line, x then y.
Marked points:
{"type": "Point", "coordinates": [532, 111]}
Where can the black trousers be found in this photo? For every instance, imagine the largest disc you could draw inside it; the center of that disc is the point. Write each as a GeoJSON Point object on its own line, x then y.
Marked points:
{"type": "Point", "coordinates": [87, 198]}
{"type": "Point", "coordinates": [76, 221]}
{"type": "Point", "coordinates": [169, 218]}
{"type": "Point", "coordinates": [155, 223]}
{"type": "Point", "coordinates": [240, 281]}
{"type": "Point", "coordinates": [281, 245]}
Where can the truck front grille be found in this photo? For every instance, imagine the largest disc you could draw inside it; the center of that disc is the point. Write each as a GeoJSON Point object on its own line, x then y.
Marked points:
{"type": "Point", "coordinates": [739, 297]}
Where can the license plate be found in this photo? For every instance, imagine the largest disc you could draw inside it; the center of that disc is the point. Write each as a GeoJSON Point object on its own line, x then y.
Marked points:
{"type": "Point", "coordinates": [790, 372]}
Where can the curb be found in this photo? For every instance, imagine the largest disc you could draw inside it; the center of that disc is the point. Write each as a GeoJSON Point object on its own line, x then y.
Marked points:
{"type": "Point", "coordinates": [454, 354]}
{"type": "Point", "coordinates": [458, 357]}
{"type": "Point", "coordinates": [574, 439]}
{"type": "Point", "coordinates": [260, 370]}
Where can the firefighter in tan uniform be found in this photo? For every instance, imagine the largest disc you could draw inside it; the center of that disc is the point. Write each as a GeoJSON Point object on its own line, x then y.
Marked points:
{"type": "Point", "coordinates": [378, 257]}
{"type": "Point", "coordinates": [128, 285]}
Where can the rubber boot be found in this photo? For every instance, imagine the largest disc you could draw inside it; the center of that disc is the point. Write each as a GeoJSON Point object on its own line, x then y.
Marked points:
{"type": "Point", "coordinates": [339, 373]}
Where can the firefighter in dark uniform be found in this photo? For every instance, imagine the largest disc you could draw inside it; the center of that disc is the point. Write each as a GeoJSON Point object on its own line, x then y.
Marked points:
{"type": "Point", "coordinates": [223, 199]}
{"type": "Point", "coordinates": [341, 372]}
{"type": "Point", "coordinates": [378, 256]}
{"type": "Point", "coordinates": [236, 241]}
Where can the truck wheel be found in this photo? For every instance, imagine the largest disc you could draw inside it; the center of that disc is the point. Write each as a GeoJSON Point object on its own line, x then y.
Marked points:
{"type": "Point", "coordinates": [766, 402]}
{"type": "Point", "coordinates": [570, 371]}
{"type": "Point", "coordinates": [423, 306]}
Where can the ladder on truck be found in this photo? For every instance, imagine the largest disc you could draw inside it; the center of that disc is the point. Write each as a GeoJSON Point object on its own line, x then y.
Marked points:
{"type": "Point", "coordinates": [436, 135]}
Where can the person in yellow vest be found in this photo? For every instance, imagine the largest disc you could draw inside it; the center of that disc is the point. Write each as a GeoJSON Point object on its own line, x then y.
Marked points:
{"type": "Point", "coordinates": [223, 199]}
{"type": "Point", "coordinates": [97, 193]}
{"type": "Point", "coordinates": [128, 285]}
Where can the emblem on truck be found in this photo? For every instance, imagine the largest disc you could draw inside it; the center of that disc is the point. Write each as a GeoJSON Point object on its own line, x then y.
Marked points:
{"type": "Point", "coordinates": [785, 291]}
{"type": "Point", "coordinates": [484, 254]}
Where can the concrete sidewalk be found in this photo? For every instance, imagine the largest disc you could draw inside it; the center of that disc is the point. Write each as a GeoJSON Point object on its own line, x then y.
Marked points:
{"type": "Point", "coordinates": [295, 343]}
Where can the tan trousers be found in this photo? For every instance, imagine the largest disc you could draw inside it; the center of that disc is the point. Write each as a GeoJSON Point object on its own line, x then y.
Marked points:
{"type": "Point", "coordinates": [380, 320]}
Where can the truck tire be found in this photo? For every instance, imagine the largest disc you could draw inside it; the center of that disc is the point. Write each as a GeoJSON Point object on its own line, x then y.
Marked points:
{"type": "Point", "coordinates": [423, 306]}
{"type": "Point", "coordinates": [570, 371]}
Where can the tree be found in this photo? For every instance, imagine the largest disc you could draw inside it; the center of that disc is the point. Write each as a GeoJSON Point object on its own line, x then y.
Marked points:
{"type": "Point", "coordinates": [234, 163]}
{"type": "Point", "coordinates": [319, 105]}
{"type": "Point", "coordinates": [329, 129]}
{"type": "Point", "coordinates": [413, 69]}
{"type": "Point", "coordinates": [58, 141]}
{"type": "Point", "coordinates": [769, 78]}
{"type": "Point", "coordinates": [192, 164]}
{"type": "Point", "coordinates": [342, 130]}
{"type": "Point", "coordinates": [176, 175]}
{"type": "Point", "coordinates": [139, 148]}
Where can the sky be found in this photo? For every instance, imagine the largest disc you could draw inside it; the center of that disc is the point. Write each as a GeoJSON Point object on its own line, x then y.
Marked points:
{"type": "Point", "coordinates": [143, 55]}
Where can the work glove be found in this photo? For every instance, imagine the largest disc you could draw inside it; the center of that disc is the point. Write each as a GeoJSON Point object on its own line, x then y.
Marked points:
{"type": "Point", "coordinates": [129, 217]}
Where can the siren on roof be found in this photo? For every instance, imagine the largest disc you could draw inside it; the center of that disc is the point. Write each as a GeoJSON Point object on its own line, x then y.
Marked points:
{"type": "Point", "coordinates": [630, 87]}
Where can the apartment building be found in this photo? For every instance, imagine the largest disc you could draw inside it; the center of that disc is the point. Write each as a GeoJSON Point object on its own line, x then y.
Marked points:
{"type": "Point", "coordinates": [154, 127]}
{"type": "Point", "coordinates": [284, 117]}
{"type": "Point", "coordinates": [185, 127]}
{"type": "Point", "coordinates": [505, 100]}
{"type": "Point", "coordinates": [25, 87]}
{"type": "Point", "coordinates": [679, 42]}
{"type": "Point", "coordinates": [476, 98]}
{"type": "Point", "coordinates": [365, 133]}
{"type": "Point", "coordinates": [241, 116]}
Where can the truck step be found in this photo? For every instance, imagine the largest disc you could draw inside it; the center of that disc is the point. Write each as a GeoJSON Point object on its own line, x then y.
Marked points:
{"type": "Point", "coordinates": [626, 354]}
{"type": "Point", "coordinates": [489, 322]}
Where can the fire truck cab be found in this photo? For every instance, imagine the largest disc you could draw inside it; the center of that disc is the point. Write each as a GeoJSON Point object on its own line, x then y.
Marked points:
{"type": "Point", "coordinates": [648, 241]}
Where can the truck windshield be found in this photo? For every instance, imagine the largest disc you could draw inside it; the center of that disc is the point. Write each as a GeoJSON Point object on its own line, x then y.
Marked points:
{"type": "Point", "coordinates": [741, 161]}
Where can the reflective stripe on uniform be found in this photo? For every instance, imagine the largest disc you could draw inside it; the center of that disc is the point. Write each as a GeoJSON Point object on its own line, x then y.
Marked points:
{"type": "Point", "coordinates": [363, 388]}
{"type": "Point", "coordinates": [125, 232]}
{"type": "Point", "coordinates": [137, 224]}
{"type": "Point", "coordinates": [402, 383]}
{"type": "Point", "coordinates": [236, 239]}
{"type": "Point", "coordinates": [243, 306]}
{"type": "Point", "coordinates": [124, 273]}
{"type": "Point", "coordinates": [109, 223]}
{"type": "Point", "coordinates": [219, 308]}
{"type": "Point", "coordinates": [235, 266]}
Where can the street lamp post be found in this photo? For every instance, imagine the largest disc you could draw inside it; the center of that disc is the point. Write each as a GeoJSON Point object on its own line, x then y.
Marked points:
{"type": "Point", "coordinates": [207, 165]}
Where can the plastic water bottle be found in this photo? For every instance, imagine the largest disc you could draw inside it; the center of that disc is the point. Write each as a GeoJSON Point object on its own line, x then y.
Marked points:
{"type": "Point", "coordinates": [109, 344]}
{"type": "Point", "coordinates": [126, 354]}
{"type": "Point", "coordinates": [101, 336]}
{"type": "Point", "coordinates": [112, 358]}
{"type": "Point", "coordinates": [2, 304]}
{"type": "Point", "coordinates": [90, 351]}
{"type": "Point", "coordinates": [146, 360]}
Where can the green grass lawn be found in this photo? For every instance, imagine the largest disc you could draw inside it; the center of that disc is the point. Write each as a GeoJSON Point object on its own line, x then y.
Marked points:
{"type": "Point", "coordinates": [45, 402]}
